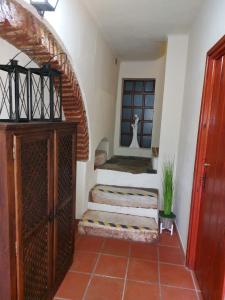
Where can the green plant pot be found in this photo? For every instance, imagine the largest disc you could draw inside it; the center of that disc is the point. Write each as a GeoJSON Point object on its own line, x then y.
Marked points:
{"type": "Point", "coordinates": [170, 216]}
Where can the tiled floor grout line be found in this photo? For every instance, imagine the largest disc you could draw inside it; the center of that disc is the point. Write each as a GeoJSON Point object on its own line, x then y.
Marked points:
{"type": "Point", "coordinates": [134, 257]}
{"type": "Point", "coordinates": [164, 245]}
{"type": "Point", "coordinates": [93, 272]}
{"type": "Point", "coordinates": [100, 252]}
{"type": "Point", "coordinates": [159, 277]}
{"type": "Point", "coordinates": [133, 280]}
{"type": "Point", "coordinates": [171, 264]}
{"type": "Point", "coordinates": [114, 255]}
{"type": "Point", "coordinates": [178, 287]}
{"type": "Point", "coordinates": [126, 274]}
{"type": "Point", "coordinates": [194, 279]}
{"type": "Point", "coordinates": [107, 276]}
{"type": "Point", "coordinates": [104, 253]}
{"type": "Point", "coordinates": [196, 290]}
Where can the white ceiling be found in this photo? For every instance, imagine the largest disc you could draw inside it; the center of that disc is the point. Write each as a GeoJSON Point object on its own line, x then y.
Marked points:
{"type": "Point", "coordinates": [135, 29]}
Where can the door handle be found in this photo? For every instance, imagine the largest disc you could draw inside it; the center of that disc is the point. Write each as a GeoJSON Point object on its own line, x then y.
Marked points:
{"type": "Point", "coordinates": [206, 165]}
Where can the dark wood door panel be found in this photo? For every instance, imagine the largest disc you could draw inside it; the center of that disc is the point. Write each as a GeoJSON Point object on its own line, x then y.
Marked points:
{"type": "Point", "coordinates": [37, 201]}
{"type": "Point", "coordinates": [64, 242]}
{"type": "Point", "coordinates": [36, 265]}
{"type": "Point", "coordinates": [34, 204]}
{"type": "Point", "coordinates": [64, 199]}
{"type": "Point", "coordinates": [64, 167]}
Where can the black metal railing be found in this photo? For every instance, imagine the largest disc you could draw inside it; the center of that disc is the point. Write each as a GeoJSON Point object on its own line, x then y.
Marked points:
{"type": "Point", "coordinates": [30, 94]}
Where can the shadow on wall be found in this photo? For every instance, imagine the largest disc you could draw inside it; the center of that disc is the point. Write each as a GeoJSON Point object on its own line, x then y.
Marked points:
{"type": "Point", "coordinates": [101, 153]}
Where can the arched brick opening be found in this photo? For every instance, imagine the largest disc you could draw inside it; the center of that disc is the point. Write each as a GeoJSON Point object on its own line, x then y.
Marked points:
{"type": "Point", "coordinates": [23, 30]}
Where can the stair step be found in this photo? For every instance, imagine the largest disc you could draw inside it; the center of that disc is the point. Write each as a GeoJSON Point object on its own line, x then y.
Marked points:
{"type": "Point", "coordinates": [134, 211]}
{"type": "Point", "coordinates": [125, 196]}
{"type": "Point", "coordinates": [118, 226]}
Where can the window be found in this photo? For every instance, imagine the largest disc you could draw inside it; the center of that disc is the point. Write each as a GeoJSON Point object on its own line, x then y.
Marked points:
{"type": "Point", "coordinates": [137, 99]}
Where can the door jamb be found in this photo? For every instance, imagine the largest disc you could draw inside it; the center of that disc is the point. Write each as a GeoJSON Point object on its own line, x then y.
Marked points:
{"type": "Point", "coordinates": [214, 53]}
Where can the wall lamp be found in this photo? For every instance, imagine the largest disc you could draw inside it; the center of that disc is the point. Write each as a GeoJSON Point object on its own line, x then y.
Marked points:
{"type": "Point", "coordinates": [44, 5]}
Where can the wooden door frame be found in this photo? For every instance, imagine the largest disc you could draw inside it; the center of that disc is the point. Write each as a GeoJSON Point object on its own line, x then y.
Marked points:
{"type": "Point", "coordinates": [214, 53]}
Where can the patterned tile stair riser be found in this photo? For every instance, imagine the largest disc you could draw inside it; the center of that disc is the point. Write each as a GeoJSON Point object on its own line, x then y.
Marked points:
{"type": "Point", "coordinates": [115, 225]}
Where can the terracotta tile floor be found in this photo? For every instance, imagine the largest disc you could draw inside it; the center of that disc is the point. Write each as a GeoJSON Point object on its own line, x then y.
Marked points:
{"type": "Point", "coordinates": [108, 269]}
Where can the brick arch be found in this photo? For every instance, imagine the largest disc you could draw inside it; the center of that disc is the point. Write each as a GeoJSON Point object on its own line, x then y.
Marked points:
{"type": "Point", "coordinates": [23, 30]}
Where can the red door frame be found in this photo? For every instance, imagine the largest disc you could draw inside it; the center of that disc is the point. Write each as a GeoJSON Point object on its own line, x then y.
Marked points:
{"type": "Point", "coordinates": [214, 53]}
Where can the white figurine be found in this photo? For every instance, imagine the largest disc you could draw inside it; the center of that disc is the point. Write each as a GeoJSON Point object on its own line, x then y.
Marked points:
{"type": "Point", "coordinates": [134, 143]}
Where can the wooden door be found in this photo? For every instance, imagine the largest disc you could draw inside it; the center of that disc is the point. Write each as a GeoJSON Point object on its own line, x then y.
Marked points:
{"type": "Point", "coordinates": [210, 250]}
{"type": "Point", "coordinates": [64, 197]}
{"type": "Point", "coordinates": [34, 206]}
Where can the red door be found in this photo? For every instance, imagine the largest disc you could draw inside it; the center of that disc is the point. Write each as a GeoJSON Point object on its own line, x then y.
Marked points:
{"type": "Point", "coordinates": [210, 245]}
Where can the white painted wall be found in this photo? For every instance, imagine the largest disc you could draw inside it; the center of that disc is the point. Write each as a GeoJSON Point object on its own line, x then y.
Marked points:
{"type": "Point", "coordinates": [94, 65]}
{"type": "Point", "coordinates": [173, 96]}
{"type": "Point", "coordinates": [140, 69]}
{"type": "Point", "coordinates": [208, 28]}
{"type": "Point", "coordinates": [8, 51]}
{"type": "Point", "coordinates": [176, 60]}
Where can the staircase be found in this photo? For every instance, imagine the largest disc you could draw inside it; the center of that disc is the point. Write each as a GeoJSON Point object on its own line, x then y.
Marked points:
{"type": "Point", "coordinates": [121, 212]}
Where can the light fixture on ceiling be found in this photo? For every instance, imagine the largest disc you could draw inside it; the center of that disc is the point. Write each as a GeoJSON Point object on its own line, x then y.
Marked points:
{"type": "Point", "coordinates": [44, 5]}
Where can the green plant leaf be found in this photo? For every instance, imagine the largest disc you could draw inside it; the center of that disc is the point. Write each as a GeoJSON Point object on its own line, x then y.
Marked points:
{"type": "Point", "coordinates": [168, 187]}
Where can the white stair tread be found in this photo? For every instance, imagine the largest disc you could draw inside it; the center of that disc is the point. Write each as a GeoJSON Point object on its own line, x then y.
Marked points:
{"type": "Point", "coordinates": [121, 219]}
{"type": "Point", "coordinates": [125, 196]}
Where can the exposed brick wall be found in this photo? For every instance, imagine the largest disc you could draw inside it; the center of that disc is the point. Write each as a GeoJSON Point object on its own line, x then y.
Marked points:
{"type": "Point", "coordinates": [23, 30]}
